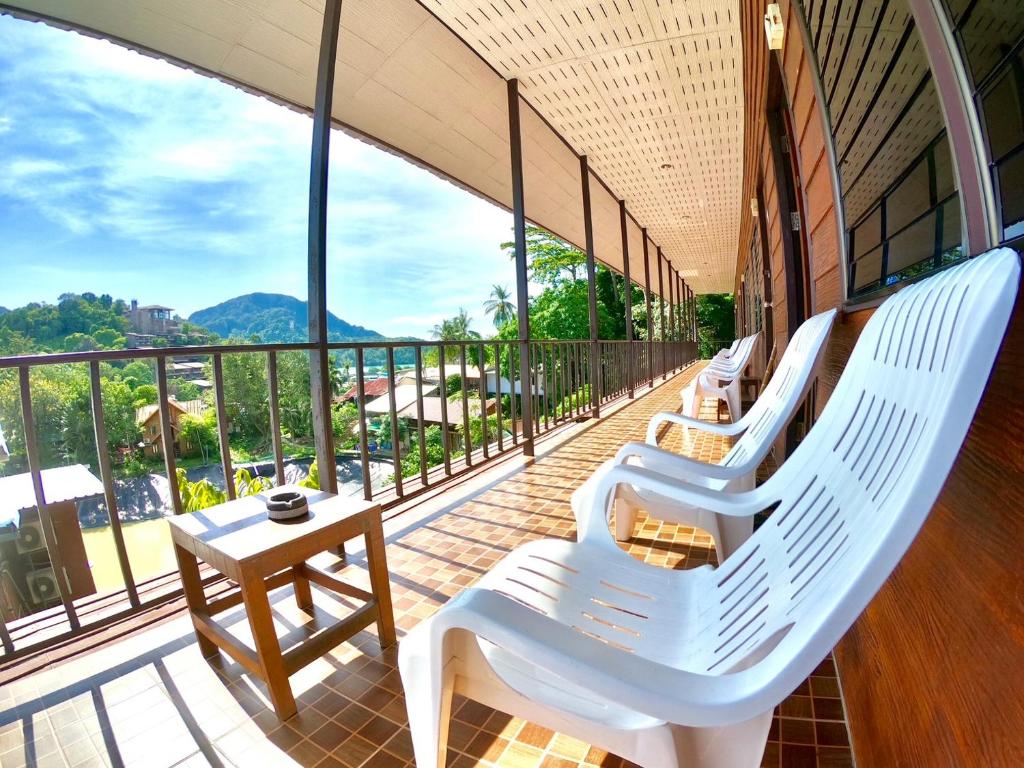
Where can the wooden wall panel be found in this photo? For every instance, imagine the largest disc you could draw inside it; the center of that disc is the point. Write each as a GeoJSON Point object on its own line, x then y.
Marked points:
{"type": "Point", "coordinates": [933, 671]}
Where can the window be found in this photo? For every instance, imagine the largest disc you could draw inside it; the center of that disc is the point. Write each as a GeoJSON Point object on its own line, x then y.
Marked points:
{"type": "Point", "coordinates": [913, 229]}
{"type": "Point", "coordinates": [991, 38]}
{"type": "Point", "coordinates": [895, 167]}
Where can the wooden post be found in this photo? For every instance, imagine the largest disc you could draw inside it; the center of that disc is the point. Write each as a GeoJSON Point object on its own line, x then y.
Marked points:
{"type": "Point", "coordinates": [319, 359]}
{"type": "Point", "coordinates": [627, 298]}
{"type": "Point", "coordinates": [661, 310]}
{"type": "Point", "coordinates": [595, 352]}
{"type": "Point", "coordinates": [522, 280]}
{"type": "Point", "coordinates": [647, 304]}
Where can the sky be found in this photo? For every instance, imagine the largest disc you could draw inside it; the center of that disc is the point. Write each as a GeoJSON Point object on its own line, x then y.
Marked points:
{"type": "Point", "coordinates": [126, 175]}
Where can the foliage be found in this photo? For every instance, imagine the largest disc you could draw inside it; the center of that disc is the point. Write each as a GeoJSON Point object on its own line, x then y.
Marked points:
{"type": "Point", "coordinates": [201, 494]}
{"type": "Point", "coordinates": [183, 391]}
{"type": "Point", "coordinates": [500, 306]}
{"type": "Point", "coordinates": [201, 432]}
{"type": "Point", "coordinates": [716, 322]}
{"type": "Point", "coordinates": [551, 259]}
{"type": "Point", "coordinates": [345, 423]}
{"type": "Point", "coordinates": [311, 480]}
{"type": "Point", "coordinates": [246, 394]}
{"type": "Point", "coordinates": [75, 323]}
{"type": "Point", "coordinates": [434, 442]}
{"type": "Point", "coordinates": [145, 394]}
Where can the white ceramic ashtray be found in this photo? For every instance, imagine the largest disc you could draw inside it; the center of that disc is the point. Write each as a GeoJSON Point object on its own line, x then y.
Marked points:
{"type": "Point", "coordinates": [285, 504]}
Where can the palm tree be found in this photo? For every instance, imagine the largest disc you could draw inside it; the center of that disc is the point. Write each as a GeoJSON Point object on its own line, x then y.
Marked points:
{"type": "Point", "coordinates": [455, 328]}
{"type": "Point", "coordinates": [500, 305]}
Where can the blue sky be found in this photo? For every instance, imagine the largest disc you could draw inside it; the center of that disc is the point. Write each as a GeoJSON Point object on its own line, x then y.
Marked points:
{"type": "Point", "coordinates": [126, 175]}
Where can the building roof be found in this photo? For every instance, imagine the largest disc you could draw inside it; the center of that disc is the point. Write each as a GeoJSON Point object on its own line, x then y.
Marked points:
{"type": "Point", "coordinates": [158, 307]}
{"type": "Point", "coordinates": [650, 93]}
{"type": "Point", "coordinates": [405, 394]}
{"type": "Point", "coordinates": [372, 388]}
{"type": "Point", "coordinates": [145, 412]}
{"type": "Point", "coordinates": [432, 411]}
{"type": "Point", "coordinates": [60, 484]}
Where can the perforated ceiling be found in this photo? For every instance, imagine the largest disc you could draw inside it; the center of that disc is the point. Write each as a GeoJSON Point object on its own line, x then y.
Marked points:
{"type": "Point", "coordinates": [635, 85]}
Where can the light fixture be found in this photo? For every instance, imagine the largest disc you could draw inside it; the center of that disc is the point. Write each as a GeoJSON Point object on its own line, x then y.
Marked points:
{"type": "Point", "coordinates": [753, 207]}
{"type": "Point", "coordinates": [773, 28]}
{"type": "Point", "coordinates": [666, 166]}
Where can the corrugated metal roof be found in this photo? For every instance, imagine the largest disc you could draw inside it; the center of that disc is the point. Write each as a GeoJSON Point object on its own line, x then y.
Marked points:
{"type": "Point", "coordinates": [72, 483]}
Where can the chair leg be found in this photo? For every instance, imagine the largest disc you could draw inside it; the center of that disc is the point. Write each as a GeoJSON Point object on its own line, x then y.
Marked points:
{"type": "Point", "coordinates": [732, 532]}
{"type": "Point", "coordinates": [734, 401]}
{"type": "Point", "coordinates": [428, 692]}
{"type": "Point", "coordinates": [625, 519]}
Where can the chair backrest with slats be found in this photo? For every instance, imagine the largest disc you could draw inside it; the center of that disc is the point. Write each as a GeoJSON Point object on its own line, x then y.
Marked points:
{"type": "Point", "coordinates": [779, 400]}
{"type": "Point", "coordinates": [853, 496]}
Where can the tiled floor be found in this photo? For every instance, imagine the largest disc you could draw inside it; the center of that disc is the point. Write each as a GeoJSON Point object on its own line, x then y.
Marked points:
{"type": "Point", "coordinates": [150, 700]}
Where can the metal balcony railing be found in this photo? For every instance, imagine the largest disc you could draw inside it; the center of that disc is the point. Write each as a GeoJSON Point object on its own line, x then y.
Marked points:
{"type": "Point", "coordinates": [479, 419]}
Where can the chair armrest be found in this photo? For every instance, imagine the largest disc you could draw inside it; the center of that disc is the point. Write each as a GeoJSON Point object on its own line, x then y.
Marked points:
{"type": "Point", "coordinates": [643, 685]}
{"type": "Point", "coordinates": [673, 464]}
{"type": "Point", "coordinates": [725, 430]}
{"type": "Point", "coordinates": [730, 503]}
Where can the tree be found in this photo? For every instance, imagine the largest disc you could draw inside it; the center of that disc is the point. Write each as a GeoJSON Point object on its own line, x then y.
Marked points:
{"type": "Point", "coordinates": [552, 260]}
{"type": "Point", "coordinates": [454, 329]}
{"type": "Point", "coordinates": [716, 322]}
{"type": "Point", "coordinates": [201, 432]}
{"type": "Point", "coordinates": [147, 394]}
{"type": "Point", "coordinates": [500, 305]}
{"type": "Point", "coordinates": [344, 421]}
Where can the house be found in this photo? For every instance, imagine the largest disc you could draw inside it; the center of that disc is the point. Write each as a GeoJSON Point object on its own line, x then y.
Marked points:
{"type": "Point", "coordinates": [148, 419]}
{"type": "Point", "coordinates": [432, 416]}
{"type": "Point", "coordinates": [371, 389]}
{"type": "Point", "coordinates": [152, 320]}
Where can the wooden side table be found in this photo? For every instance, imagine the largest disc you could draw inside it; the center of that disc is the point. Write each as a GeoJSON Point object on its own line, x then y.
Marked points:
{"type": "Point", "coordinates": [239, 541]}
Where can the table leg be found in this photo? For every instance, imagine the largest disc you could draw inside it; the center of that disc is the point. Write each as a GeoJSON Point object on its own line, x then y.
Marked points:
{"type": "Point", "coordinates": [268, 649]}
{"type": "Point", "coordinates": [303, 596]}
{"type": "Point", "coordinates": [195, 597]}
{"type": "Point", "coordinates": [377, 563]}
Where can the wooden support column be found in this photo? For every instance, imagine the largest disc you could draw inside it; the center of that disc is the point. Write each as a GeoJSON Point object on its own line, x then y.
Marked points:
{"type": "Point", "coordinates": [661, 310]}
{"type": "Point", "coordinates": [522, 281]}
{"type": "Point", "coordinates": [595, 350]}
{"type": "Point", "coordinates": [627, 299]}
{"type": "Point", "coordinates": [647, 304]}
{"type": "Point", "coordinates": [319, 358]}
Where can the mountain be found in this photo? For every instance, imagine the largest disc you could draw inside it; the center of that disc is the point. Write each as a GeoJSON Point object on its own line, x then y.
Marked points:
{"type": "Point", "coordinates": [4, 310]}
{"type": "Point", "coordinates": [275, 318]}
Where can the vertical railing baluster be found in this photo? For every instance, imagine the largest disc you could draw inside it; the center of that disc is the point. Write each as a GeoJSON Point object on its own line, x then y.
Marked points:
{"type": "Point", "coordinates": [364, 437]}
{"type": "Point", "coordinates": [167, 435]}
{"type": "Point", "coordinates": [420, 430]}
{"type": "Point", "coordinates": [485, 435]}
{"type": "Point", "coordinates": [442, 374]}
{"type": "Point", "coordinates": [467, 440]}
{"type": "Point", "coordinates": [275, 416]}
{"type": "Point", "coordinates": [396, 438]}
{"type": "Point", "coordinates": [45, 522]}
{"type": "Point", "coordinates": [107, 476]}
{"type": "Point", "coordinates": [512, 394]}
{"type": "Point", "coordinates": [545, 383]}
{"type": "Point", "coordinates": [222, 425]}
{"type": "Point", "coordinates": [497, 396]}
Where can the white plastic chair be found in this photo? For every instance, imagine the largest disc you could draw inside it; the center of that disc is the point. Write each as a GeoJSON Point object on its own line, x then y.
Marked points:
{"type": "Point", "coordinates": [720, 379]}
{"type": "Point", "coordinates": [726, 352]}
{"type": "Point", "coordinates": [684, 668]}
{"type": "Point", "coordinates": [757, 430]}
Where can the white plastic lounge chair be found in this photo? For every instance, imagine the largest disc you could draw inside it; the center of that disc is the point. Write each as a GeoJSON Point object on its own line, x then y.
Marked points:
{"type": "Point", "coordinates": [684, 668]}
{"type": "Point", "coordinates": [720, 379]}
{"type": "Point", "coordinates": [757, 430]}
{"type": "Point", "coordinates": [726, 352]}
